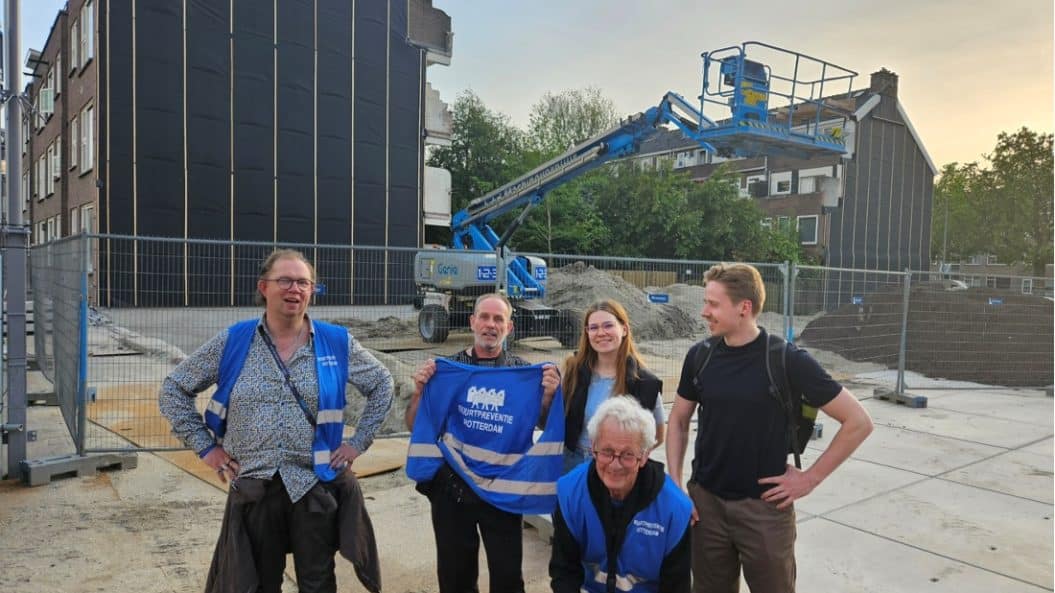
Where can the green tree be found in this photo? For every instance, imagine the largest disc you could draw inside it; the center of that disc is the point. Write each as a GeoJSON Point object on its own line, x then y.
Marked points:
{"type": "Point", "coordinates": [558, 122]}
{"type": "Point", "coordinates": [1018, 204]}
{"type": "Point", "coordinates": [486, 151]}
{"type": "Point", "coordinates": [1004, 209]}
{"type": "Point", "coordinates": [563, 223]}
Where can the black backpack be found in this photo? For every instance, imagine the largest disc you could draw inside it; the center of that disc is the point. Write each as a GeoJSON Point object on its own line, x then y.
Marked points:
{"type": "Point", "coordinates": [801, 416]}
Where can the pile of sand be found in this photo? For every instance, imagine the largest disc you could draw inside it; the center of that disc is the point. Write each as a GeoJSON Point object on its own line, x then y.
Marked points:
{"type": "Point", "coordinates": [577, 286]}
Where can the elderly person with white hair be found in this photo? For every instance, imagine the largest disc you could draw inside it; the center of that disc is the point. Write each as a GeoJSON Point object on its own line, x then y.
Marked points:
{"type": "Point", "coordinates": [621, 524]}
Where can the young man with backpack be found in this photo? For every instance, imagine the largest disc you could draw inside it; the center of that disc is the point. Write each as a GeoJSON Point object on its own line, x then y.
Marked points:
{"type": "Point", "coordinates": [752, 391]}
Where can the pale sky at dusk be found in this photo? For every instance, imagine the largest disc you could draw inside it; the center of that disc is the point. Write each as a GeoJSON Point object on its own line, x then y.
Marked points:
{"type": "Point", "coordinates": [968, 69]}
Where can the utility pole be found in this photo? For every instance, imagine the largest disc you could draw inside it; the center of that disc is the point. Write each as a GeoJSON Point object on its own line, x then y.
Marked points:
{"type": "Point", "coordinates": [14, 242]}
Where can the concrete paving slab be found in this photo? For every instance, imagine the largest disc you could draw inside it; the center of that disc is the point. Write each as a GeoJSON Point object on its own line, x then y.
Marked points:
{"type": "Point", "coordinates": [1003, 534]}
{"type": "Point", "coordinates": [910, 450]}
{"type": "Point", "coordinates": [854, 481]}
{"type": "Point", "coordinates": [949, 423]}
{"type": "Point", "coordinates": [833, 557]}
{"type": "Point", "coordinates": [1018, 473]}
{"type": "Point", "coordinates": [1031, 409]}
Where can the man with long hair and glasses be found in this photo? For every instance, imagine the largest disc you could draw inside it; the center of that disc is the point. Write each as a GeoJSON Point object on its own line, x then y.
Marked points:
{"type": "Point", "coordinates": [274, 429]}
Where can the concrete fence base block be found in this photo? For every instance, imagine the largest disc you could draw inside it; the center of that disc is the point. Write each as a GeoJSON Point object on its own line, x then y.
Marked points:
{"type": "Point", "coordinates": [543, 524]}
{"type": "Point", "coordinates": [37, 472]}
{"type": "Point", "coordinates": [905, 399]}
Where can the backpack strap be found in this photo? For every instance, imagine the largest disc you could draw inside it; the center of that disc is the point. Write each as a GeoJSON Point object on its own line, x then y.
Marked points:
{"type": "Point", "coordinates": [700, 361]}
{"type": "Point", "coordinates": [780, 388]}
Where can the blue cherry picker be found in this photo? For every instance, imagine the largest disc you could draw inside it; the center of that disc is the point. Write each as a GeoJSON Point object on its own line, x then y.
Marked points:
{"type": "Point", "coordinates": [777, 107]}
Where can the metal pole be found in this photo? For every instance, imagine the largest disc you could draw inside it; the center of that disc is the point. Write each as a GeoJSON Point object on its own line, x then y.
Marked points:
{"type": "Point", "coordinates": [945, 234]}
{"type": "Point", "coordinates": [900, 389]}
{"type": "Point", "coordinates": [15, 240]}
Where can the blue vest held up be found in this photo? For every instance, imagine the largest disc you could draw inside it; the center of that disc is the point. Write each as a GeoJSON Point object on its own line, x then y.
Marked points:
{"type": "Point", "coordinates": [481, 421]}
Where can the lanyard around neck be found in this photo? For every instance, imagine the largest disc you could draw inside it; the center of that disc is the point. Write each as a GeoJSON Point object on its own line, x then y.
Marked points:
{"type": "Point", "coordinates": [285, 374]}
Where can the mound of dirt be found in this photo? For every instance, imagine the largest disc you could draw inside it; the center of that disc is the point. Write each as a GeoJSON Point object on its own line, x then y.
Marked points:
{"type": "Point", "coordinates": [577, 286]}
{"type": "Point", "coordinates": [982, 335]}
{"type": "Point", "coordinates": [385, 327]}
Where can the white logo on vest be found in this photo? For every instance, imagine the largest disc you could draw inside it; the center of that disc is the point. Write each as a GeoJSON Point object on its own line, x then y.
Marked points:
{"type": "Point", "coordinates": [483, 413]}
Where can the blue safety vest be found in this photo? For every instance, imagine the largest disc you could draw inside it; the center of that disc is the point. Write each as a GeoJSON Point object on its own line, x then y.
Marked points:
{"type": "Point", "coordinates": [651, 535]}
{"type": "Point", "coordinates": [331, 369]}
{"type": "Point", "coordinates": [480, 421]}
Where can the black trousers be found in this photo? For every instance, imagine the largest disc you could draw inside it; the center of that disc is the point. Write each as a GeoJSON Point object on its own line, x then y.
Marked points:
{"type": "Point", "coordinates": [308, 529]}
{"type": "Point", "coordinates": [460, 519]}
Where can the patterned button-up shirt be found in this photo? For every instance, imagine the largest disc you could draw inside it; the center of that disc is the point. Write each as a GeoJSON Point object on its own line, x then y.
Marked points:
{"type": "Point", "coordinates": [267, 431]}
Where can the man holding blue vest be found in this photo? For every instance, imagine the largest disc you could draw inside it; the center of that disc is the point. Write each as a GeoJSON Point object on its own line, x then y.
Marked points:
{"type": "Point", "coordinates": [460, 517]}
{"type": "Point", "coordinates": [274, 428]}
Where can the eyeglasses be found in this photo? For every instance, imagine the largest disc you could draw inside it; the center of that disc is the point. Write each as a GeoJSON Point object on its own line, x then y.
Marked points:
{"type": "Point", "coordinates": [285, 283]}
{"type": "Point", "coordinates": [607, 326]}
{"type": "Point", "coordinates": [625, 458]}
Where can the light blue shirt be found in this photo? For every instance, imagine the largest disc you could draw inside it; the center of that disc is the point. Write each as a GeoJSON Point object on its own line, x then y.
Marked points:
{"type": "Point", "coordinates": [600, 389]}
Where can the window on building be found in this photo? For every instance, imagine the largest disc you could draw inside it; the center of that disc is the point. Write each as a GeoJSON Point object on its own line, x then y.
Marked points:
{"type": "Point", "coordinates": [767, 223]}
{"type": "Point", "coordinates": [49, 179]}
{"type": "Point", "coordinates": [75, 140]}
{"type": "Point", "coordinates": [41, 184]}
{"type": "Point", "coordinates": [87, 28]}
{"type": "Point", "coordinates": [75, 220]}
{"type": "Point", "coordinates": [780, 183]}
{"type": "Point", "coordinates": [56, 167]}
{"type": "Point", "coordinates": [807, 185]}
{"type": "Point", "coordinates": [25, 192]}
{"type": "Point", "coordinates": [1027, 286]}
{"type": "Point", "coordinates": [992, 260]}
{"type": "Point", "coordinates": [88, 227]}
{"type": "Point", "coordinates": [49, 234]}
{"type": "Point", "coordinates": [87, 158]}
{"type": "Point", "coordinates": [41, 232]}
{"type": "Point", "coordinates": [75, 45]}
{"type": "Point", "coordinates": [808, 229]}
{"type": "Point", "coordinates": [783, 223]}
{"type": "Point", "coordinates": [59, 74]}
{"type": "Point", "coordinates": [753, 185]}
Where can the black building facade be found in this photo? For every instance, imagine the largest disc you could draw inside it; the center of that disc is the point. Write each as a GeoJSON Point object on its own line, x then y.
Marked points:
{"type": "Point", "coordinates": [273, 121]}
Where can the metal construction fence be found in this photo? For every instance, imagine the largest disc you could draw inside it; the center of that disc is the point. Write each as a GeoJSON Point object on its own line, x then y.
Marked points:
{"type": "Point", "coordinates": [115, 314]}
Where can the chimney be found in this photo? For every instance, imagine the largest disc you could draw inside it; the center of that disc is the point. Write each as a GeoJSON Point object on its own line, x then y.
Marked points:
{"type": "Point", "coordinates": [884, 82]}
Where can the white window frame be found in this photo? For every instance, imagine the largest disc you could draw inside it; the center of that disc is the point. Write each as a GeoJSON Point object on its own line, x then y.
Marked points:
{"type": "Point", "coordinates": [808, 185]}
{"type": "Point", "coordinates": [816, 228]}
{"type": "Point", "coordinates": [50, 230]}
{"type": "Point", "coordinates": [745, 190]}
{"type": "Point", "coordinates": [75, 220]}
{"type": "Point", "coordinates": [87, 157]}
{"type": "Point", "coordinates": [775, 179]}
{"type": "Point", "coordinates": [59, 74]}
{"type": "Point", "coordinates": [41, 228]}
{"type": "Point", "coordinates": [41, 185]}
{"type": "Point", "coordinates": [767, 222]}
{"type": "Point", "coordinates": [1027, 282]}
{"type": "Point", "coordinates": [75, 45]}
{"type": "Point", "coordinates": [75, 140]}
{"type": "Point", "coordinates": [49, 167]}
{"type": "Point", "coordinates": [783, 223]}
{"type": "Point", "coordinates": [87, 40]}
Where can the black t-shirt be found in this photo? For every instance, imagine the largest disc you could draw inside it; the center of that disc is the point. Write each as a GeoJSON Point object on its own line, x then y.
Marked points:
{"type": "Point", "coordinates": [742, 432]}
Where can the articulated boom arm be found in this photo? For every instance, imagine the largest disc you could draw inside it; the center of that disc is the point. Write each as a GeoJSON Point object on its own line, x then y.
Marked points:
{"type": "Point", "coordinates": [754, 94]}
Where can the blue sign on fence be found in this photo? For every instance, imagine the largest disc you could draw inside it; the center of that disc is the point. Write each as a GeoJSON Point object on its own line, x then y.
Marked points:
{"type": "Point", "coordinates": [857, 300]}
{"type": "Point", "coordinates": [656, 297]}
{"type": "Point", "coordinates": [487, 273]}
{"type": "Point", "coordinates": [320, 288]}
{"type": "Point", "coordinates": [996, 301]}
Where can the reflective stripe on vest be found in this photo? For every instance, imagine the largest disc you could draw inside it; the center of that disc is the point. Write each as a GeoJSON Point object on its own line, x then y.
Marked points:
{"type": "Point", "coordinates": [481, 421]}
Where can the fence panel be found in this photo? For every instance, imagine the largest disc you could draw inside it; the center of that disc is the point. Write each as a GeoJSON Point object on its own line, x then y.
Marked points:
{"type": "Point", "coordinates": [57, 279]}
{"type": "Point", "coordinates": [158, 300]}
{"type": "Point", "coordinates": [994, 334]}
{"type": "Point", "coordinates": [854, 314]}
